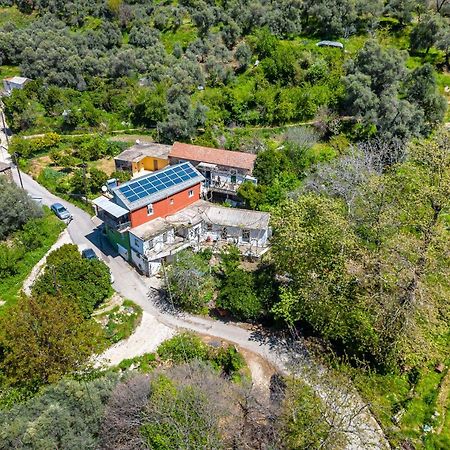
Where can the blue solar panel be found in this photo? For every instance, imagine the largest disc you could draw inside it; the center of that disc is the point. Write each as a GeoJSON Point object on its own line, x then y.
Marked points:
{"type": "Point", "coordinates": [158, 181]}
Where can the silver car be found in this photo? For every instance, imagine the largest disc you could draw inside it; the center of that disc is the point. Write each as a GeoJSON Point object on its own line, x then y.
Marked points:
{"type": "Point", "coordinates": [60, 211]}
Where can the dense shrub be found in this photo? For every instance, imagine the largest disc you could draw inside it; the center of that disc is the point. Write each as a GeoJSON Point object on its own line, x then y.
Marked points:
{"type": "Point", "coordinates": [189, 281]}
{"type": "Point", "coordinates": [85, 282]}
{"type": "Point", "coordinates": [64, 415]}
{"type": "Point", "coordinates": [16, 206]}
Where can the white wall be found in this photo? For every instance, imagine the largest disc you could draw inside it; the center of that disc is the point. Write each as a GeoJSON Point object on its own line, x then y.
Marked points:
{"type": "Point", "coordinates": [140, 262]}
{"type": "Point", "coordinates": [257, 237]}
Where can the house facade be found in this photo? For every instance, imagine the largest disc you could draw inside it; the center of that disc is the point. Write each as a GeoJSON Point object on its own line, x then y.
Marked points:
{"type": "Point", "coordinates": [200, 225]}
{"type": "Point", "coordinates": [151, 218]}
{"type": "Point", "coordinates": [224, 171]}
{"type": "Point", "coordinates": [145, 199]}
{"type": "Point", "coordinates": [143, 157]}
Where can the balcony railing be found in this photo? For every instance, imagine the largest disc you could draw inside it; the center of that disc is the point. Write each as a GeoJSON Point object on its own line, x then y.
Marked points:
{"type": "Point", "coordinates": [111, 223]}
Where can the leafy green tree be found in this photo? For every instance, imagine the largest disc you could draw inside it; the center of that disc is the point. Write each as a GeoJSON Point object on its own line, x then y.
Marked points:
{"type": "Point", "coordinates": [166, 428]}
{"type": "Point", "coordinates": [311, 247]}
{"type": "Point", "coordinates": [183, 348]}
{"type": "Point", "coordinates": [305, 421]}
{"type": "Point", "coordinates": [422, 90]}
{"type": "Point", "coordinates": [268, 165]}
{"type": "Point", "coordinates": [237, 295]}
{"type": "Point", "coordinates": [443, 42]}
{"type": "Point", "coordinates": [237, 290]}
{"type": "Point", "coordinates": [150, 106]}
{"type": "Point", "coordinates": [424, 34]}
{"type": "Point", "coordinates": [43, 338]}
{"type": "Point", "coordinates": [85, 282]}
{"type": "Point", "coordinates": [374, 83]}
{"type": "Point", "coordinates": [17, 208]}
{"type": "Point", "coordinates": [189, 282]}
{"type": "Point", "coordinates": [97, 179]}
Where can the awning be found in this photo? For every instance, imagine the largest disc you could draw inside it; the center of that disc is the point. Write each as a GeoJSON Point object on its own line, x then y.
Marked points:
{"type": "Point", "coordinates": [110, 207]}
{"type": "Point", "coordinates": [204, 165]}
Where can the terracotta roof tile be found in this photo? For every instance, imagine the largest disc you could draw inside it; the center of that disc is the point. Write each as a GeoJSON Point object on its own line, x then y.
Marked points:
{"type": "Point", "coordinates": [213, 156]}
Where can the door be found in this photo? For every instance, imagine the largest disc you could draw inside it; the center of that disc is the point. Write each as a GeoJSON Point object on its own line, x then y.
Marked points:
{"type": "Point", "coordinates": [155, 164]}
{"type": "Point", "coordinates": [123, 252]}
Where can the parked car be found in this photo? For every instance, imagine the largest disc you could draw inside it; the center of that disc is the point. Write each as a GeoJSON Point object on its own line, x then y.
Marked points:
{"type": "Point", "coordinates": [88, 253]}
{"type": "Point", "coordinates": [60, 211]}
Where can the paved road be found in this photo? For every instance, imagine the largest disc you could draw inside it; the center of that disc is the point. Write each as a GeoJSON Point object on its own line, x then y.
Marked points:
{"type": "Point", "coordinates": [364, 432]}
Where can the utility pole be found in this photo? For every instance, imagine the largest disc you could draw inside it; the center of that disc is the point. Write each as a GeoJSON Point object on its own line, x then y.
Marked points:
{"type": "Point", "coordinates": [4, 123]}
{"type": "Point", "coordinates": [16, 162]}
{"type": "Point", "coordinates": [85, 182]}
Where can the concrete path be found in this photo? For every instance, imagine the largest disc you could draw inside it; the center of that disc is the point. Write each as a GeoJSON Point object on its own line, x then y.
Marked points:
{"type": "Point", "coordinates": [140, 342]}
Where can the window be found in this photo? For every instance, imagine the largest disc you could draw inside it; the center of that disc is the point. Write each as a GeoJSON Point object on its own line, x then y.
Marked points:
{"type": "Point", "coordinates": [136, 242]}
{"type": "Point", "coordinates": [224, 233]}
{"type": "Point", "coordinates": [171, 201]}
{"type": "Point", "coordinates": [191, 193]}
{"type": "Point", "coordinates": [149, 210]}
{"type": "Point", "coordinates": [209, 227]}
{"type": "Point", "coordinates": [245, 235]}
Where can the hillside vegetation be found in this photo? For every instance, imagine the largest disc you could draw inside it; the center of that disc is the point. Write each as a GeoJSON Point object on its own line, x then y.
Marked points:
{"type": "Point", "coordinates": [353, 163]}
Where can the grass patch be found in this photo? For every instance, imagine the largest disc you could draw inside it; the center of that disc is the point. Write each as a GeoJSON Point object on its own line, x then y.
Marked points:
{"type": "Point", "coordinates": [50, 228]}
{"type": "Point", "coordinates": [184, 36]}
{"type": "Point", "coordinates": [144, 363]}
{"type": "Point", "coordinates": [11, 15]}
{"type": "Point", "coordinates": [121, 321]}
{"type": "Point", "coordinates": [406, 406]}
{"type": "Point", "coordinates": [9, 71]}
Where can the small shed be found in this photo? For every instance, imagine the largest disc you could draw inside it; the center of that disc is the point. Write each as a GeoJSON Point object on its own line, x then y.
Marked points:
{"type": "Point", "coordinates": [334, 44]}
{"type": "Point", "coordinates": [9, 84]}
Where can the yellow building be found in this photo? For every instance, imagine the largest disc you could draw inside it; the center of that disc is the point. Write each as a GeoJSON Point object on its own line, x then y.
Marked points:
{"type": "Point", "coordinates": [143, 157]}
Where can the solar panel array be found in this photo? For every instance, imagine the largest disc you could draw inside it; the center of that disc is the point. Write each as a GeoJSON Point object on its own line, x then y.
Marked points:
{"type": "Point", "coordinates": [158, 181]}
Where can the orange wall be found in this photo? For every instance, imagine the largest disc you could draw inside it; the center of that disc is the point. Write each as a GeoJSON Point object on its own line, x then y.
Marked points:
{"type": "Point", "coordinates": [163, 208]}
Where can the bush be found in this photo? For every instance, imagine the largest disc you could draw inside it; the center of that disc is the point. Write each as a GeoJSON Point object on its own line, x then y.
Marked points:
{"type": "Point", "coordinates": [87, 282]}
{"type": "Point", "coordinates": [189, 281]}
{"type": "Point", "coordinates": [43, 338]}
{"type": "Point", "coordinates": [16, 206]}
{"type": "Point", "coordinates": [183, 348]}
{"type": "Point", "coordinates": [9, 258]}
{"type": "Point", "coordinates": [237, 295]}
{"type": "Point", "coordinates": [64, 415]}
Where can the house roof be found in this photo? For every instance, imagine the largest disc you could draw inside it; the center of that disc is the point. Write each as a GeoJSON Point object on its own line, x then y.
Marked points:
{"type": "Point", "coordinates": [17, 80]}
{"type": "Point", "coordinates": [110, 207]}
{"type": "Point", "coordinates": [220, 215]}
{"type": "Point", "coordinates": [142, 150]}
{"type": "Point", "coordinates": [217, 156]}
{"type": "Point", "coordinates": [151, 229]}
{"type": "Point", "coordinates": [234, 217]}
{"type": "Point", "coordinates": [157, 185]}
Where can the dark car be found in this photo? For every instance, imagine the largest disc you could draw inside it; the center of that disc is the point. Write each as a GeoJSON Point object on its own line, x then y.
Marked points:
{"type": "Point", "coordinates": [60, 211]}
{"type": "Point", "coordinates": [88, 253]}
